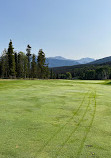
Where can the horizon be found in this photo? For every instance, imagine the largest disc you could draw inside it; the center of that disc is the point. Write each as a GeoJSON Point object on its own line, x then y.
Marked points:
{"type": "Point", "coordinates": [73, 29]}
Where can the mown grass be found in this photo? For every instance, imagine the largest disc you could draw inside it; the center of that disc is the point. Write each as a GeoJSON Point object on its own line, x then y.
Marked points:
{"type": "Point", "coordinates": [55, 119]}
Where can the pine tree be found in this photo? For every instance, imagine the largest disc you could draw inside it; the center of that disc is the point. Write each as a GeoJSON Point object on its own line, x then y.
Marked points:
{"type": "Point", "coordinates": [33, 67]}
{"type": "Point", "coordinates": [4, 64]}
{"type": "Point", "coordinates": [25, 66]}
{"type": "Point", "coordinates": [16, 61]}
{"type": "Point", "coordinates": [11, 61]}
{"type": "Point", "coordinates": [20, 66]}
{"type": "Point", "coordinates": [42, 68]}
{"type": "Point", "coordinates": [28, 49]}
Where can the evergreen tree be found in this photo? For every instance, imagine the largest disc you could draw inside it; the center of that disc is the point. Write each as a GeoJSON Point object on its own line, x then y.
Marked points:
{"type": "Point", "coordinates": [25, 66]}
{"type": "Point", "coordinates": [42, 67]}
{"type": "Point", "coordinates": [28, 49]}
{"type": "Point", "coordinates": [11, 61]}
{"type": "Point", "coordinates": [33, 67]}
{"type": "Point", "coordinates": [4, 64]}
{"type": "Point", "coordinates": [51, 74]}
{"type": "Point", "coordinates": [16, 62]}
{"type": "Point", "coordinates": [20, 65]}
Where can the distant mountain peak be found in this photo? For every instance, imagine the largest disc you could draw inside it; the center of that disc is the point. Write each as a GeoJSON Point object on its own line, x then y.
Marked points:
{"type": "Point", "coordinates": [58, 57]}
{"type": "Point", "coordinates": [85, 60]}
{"type": "Point", "coordinates": [59, 61]}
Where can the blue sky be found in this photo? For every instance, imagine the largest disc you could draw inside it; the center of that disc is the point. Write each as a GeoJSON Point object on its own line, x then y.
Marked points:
{"type": "Point", "coordinates": [69, 28]}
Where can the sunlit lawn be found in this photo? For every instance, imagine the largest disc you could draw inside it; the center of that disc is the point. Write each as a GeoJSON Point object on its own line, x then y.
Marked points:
{"type": "Point", "coordinates": [55, 119]}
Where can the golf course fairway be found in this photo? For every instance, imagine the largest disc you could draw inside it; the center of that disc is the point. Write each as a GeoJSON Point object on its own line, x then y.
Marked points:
{"type": "Point", "coordinates": [55, 119]}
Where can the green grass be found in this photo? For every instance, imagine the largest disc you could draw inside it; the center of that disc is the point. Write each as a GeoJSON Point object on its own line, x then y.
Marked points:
{"type": "Point", "coordinates": [55, 119]}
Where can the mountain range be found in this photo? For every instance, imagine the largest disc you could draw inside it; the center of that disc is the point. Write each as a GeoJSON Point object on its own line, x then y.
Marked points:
{"type": "Point", "coordinates": [97, 63]}
{"type": "Point", "coordinates": [59, 61]}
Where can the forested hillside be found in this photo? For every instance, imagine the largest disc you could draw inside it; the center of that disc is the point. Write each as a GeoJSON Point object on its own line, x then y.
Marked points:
{"type": "Point", "coordinates": [102, 61]}
{"type": "Point", "coordinates": [87, 71]}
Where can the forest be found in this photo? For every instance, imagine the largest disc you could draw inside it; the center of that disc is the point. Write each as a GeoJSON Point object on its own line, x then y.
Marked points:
{"type": "Point", "coordinates": [20, 65]}
{"type": "Point", "coordinates": [84, 72]}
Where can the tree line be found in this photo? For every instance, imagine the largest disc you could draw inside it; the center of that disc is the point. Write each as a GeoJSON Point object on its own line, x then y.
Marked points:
{"type": "Point", "coordinates": [89, 72]}
{"type": "Point", "coordinates": [21, 65]}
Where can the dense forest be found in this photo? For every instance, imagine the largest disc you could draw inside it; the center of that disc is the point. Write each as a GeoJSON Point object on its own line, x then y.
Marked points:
{"type": "Point", "coordinates": [84, 72]}
{"type": "Point", "coordinates": [21, 65]}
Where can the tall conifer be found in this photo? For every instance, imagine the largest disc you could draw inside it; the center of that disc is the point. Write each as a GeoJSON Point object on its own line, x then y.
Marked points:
{"type": "Point", "coordinates": [42, 67]}
{"type": "Point", "coordinates": [28, 49]}
{"type": "Point", "coordinates": [11, 61]}
{"type": "Point", "coordinates": [33, 67]}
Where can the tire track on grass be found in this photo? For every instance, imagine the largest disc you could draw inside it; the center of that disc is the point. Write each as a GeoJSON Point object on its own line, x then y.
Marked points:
{"type": "Point", "coordinates": [59, 130]}
{"type": "Point", "coordinates": [74, 130]}
{"type": "Point", "coordinates": [88, 129]}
